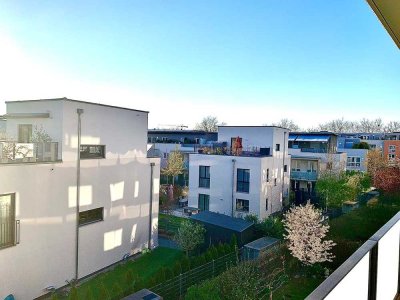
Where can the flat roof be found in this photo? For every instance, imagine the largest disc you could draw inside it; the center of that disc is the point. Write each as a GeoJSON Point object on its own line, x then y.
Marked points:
{"type": "Point", "coordinates": [312, 133]}
{"type": "Point", "coordinates": [79, 101]}
{"type": "Point", "coordinates": [222, 220]}
{"type": "Point", "coordinates": [262, 243]}
{"type": "Point", "coordinates": [255, 126]}
{"type": "Point", "coordinates": [180, 131]}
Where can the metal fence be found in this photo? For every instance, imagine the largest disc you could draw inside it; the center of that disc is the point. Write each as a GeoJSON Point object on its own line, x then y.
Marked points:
{"type": "Point", "coordinates": [176, 287]}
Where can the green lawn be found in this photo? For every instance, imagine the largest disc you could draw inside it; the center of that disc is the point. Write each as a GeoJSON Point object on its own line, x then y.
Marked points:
{"type": "Point", "coordinates": [143, 268]}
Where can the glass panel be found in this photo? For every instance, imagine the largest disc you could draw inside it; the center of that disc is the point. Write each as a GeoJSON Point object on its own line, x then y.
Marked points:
{"type": "Point", "coordinates": [7, 220]}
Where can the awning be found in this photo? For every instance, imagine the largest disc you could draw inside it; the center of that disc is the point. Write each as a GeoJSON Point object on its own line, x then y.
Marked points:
{"type": "Point", "coordinates": [309, 138]}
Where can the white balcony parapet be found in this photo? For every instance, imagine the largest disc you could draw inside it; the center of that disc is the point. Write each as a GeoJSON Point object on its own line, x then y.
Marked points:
{"type": "Point", "coordinates": [14, 152]}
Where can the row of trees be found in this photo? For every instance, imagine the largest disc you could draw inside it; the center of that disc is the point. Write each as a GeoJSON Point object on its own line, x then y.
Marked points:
{"type": "Point", "coordinates": [211, 123]}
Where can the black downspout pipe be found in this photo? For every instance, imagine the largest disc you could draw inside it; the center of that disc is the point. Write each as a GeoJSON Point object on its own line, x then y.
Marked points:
{"type": "Point", "coordinates": [151, 205]}
{"type": "Point", "coordinates": [78, 185]}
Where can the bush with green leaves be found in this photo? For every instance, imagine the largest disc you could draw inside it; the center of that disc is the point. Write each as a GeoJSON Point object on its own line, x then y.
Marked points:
{"type": "Point", "coordinates": [189, 236]}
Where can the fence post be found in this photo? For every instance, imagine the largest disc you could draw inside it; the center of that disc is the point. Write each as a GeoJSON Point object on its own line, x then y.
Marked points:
{"type": "Point", "coordinates": [213, 268]}
{"type": "Point", "coordinates": [180, 285]}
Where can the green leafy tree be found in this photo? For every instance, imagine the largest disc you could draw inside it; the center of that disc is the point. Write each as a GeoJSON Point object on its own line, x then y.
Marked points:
{"type": "Point", "coordinates": [175, 165]}
{"type": "Point", "coordinates": [189, 236]}
{"type": "Point", "coordinates": [334, 189]}
{"type": "Point", "coordinates": [361, 145]}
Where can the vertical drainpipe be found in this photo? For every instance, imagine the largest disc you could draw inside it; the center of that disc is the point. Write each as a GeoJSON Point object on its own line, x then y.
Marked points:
{"type": "Point", "coordinates": [283, 166]}
{"type": "Point", "coordinates": [78, 186]}
{"type": "Point", "coordinates": [151, 204]}
{"type": "Point", "coordinates": [233, 185]}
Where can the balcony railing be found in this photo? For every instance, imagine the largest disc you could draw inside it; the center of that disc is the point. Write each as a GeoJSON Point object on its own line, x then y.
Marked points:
{"type": "Point", "coordinates": [303, 175]}
{"type": "Point", "coordinates": [13, 152]}
{"type": "Point", "coordinates": [372, 272]}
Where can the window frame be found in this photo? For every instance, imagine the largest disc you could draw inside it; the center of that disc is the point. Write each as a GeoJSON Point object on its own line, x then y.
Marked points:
{"type": "Point", "coordinates": [11, 223]}
{"type": "Point", "coordinates": [241, 182]}
{"type": "Point", "coordinates": [242, 208]}
{"type": "Point", "coordinates": [204, 181]}
{"type": "Point", "coordinates": [203, 197]}
{"type": "Point", "coordinates": [93, 220]}
{"type": "Point", "coordinates": [277, 147]}
{"type": "Point", "coordinates": [101, 155]}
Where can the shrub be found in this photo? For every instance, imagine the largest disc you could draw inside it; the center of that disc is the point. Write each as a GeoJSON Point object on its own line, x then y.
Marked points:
{"type": "Point", "coordinates": [103, 292]}
{"type": "Point", "coordinates": [208, 256]}
{"type": "Point", "coordinates": [177, 268]}
{"type": "Point", "coordinates": [73, 294]}
{"type": "Point", "coordinates": [185, 264]}
{"type": "Point", "coordinates": [117, 292]}
{"type": "Point", "coordinates": [54, 297]}
{"type": "Point", "coordinates": [272, 226]}
{"type": "Point", "coordinates": [221, 250]}
{"type": "Point", "coordinates": [89, 294]}
{"type": "Point", "coordinates": [169, 273]}
{"type": "Point", "coordinates": [233, 242]}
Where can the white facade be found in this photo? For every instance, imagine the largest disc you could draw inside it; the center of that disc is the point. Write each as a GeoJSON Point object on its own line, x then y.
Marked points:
{"type": "Point", "coordinates": [268, 183]}
{"type": "Point", "coordinates": [45, 195]}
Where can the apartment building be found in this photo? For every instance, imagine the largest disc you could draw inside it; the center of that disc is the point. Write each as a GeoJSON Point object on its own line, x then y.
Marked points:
{"type": "Point", "coordinates": [66, 213]}
{"type": "Point", "coordinates": [312, 153]}
{"type": "Point", "coordinates": [391, 150]}
{"type": "Point", "coordinates": [161, 142]}
{"type": "Point", "coordinates": [247, 172]}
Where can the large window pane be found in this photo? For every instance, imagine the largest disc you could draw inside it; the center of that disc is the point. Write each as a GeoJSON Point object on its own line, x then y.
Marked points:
{"type": "Point", "coordinates": [7, 220]}
{"type": "Point", "coordinates": [204, 202]}
{"type": "Point", "coordinates": [91, 216]}
{"type": "Point", "coordinates": [204, 176]}
{"type": "Point", "coordinates": [243, 180]}
{"type": "Point", "coordinates": [92, 151]}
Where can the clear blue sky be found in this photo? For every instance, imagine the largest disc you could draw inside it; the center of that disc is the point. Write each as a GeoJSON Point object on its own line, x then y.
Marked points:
{"type": "Point", "coordinates": [246, 62]}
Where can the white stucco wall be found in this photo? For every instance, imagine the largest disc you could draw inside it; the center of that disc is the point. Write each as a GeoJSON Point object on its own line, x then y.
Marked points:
{"type": "Point", "coordinates": [222, 187]}
{"type": "Point", "coordinates": [46, 203]}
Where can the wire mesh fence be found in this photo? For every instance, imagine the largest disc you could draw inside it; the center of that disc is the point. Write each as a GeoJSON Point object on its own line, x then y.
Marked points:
{"type": "Point", "coordinates": [175, 288]}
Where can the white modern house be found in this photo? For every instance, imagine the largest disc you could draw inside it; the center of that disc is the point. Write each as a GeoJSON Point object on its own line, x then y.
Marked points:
{"type": "Point", "coordinates": [77, 192]}
{"type": "Point", "coordinates": [248, 173]}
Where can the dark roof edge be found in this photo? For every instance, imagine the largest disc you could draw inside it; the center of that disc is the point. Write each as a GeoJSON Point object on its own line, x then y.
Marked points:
{"type": "Point", "coordinates": [254, 126]}
{"type": "Point", "coordinates": [79, 101]}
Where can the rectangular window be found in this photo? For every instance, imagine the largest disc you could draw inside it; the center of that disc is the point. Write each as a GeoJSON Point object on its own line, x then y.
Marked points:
{"type": "Point", "coordinates": [7, 220]}
{"type": "Point", "coordinates": [24, 133]}
{"type": "Point", "coordinates": [285, 168]}
{"type": "Point", "coordinates": [243, 180]}
{"type": "Point", "coordinates": [93, 151]}
{"type": "Point", "coordinates": [204, 176]}
{"type": "Point", "coordinates": [278, 147]}
{"type": "Point", "coordinates": [266, 204]}
{"type": "Point", "coordinates": [267, 175]}
{"type": "Point", "coordinates": [275, 181]}
{"type": "Point", "coordinates": [392, 156]}
{"type": "Point", "coordinates": [204, 202]}
{"type": "Point", "coordinates": [392, 148]}
{"type": "Point", "coordinates": [242, 205]}
{"type": "Point", "coordinates": [91, 216]}
{"type": "Point", "coordinates": [353, 161]}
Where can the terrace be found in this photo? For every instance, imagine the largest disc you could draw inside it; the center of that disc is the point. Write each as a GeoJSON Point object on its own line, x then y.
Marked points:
{"type": "Point", "coordinates": [12, 152]}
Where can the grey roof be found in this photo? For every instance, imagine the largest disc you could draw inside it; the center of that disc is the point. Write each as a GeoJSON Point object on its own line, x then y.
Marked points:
{"type": "Point", "coordinates": [223, 221]}
{"type": "Point", "coordinates": [262, 243]}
